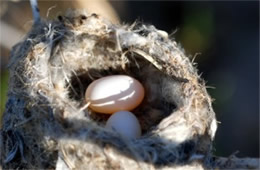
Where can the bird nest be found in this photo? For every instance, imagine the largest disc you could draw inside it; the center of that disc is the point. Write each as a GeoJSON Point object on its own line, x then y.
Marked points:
{"type": "Point", "coordinates": [47, 123]}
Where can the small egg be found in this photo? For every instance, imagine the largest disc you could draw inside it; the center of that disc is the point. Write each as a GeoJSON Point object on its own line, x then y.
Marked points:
{"type": "Point", "coordinates": [125, 123]}
{"type": "Point", "coordinates": [114, 93]}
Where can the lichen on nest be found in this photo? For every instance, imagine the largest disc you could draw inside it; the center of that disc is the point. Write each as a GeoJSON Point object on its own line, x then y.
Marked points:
{"type": "Point", "coordinates": [47, 124]}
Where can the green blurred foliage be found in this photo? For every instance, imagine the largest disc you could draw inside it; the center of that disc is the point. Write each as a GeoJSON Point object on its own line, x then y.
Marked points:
{"type": "Point", "coordinates": [3, 91]}
{"type": "Point", "coordinates": [196, 30]}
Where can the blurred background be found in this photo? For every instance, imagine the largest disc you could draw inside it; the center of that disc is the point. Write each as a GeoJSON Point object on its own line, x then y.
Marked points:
{"type": "Point", "coordinates": [224, 37]}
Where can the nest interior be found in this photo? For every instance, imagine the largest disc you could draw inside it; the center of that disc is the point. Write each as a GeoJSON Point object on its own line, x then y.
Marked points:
{"type": "Point", "coordinates": [46, 123]}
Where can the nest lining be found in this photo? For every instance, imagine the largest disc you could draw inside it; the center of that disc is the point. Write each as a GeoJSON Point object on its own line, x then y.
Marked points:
{"type": "Point", "coordinates": [50, 72]}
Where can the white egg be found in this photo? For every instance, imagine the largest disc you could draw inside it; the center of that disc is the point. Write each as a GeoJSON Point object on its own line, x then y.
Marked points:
{"type": "Point", "coordinates": [114, 93]}
{"type": "Point", "coordinates": [124, 123]}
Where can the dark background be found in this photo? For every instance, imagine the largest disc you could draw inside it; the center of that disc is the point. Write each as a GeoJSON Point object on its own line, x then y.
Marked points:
{"type": "Point", "coordinates": [226, 34]}
{"type": "Point", "coordinates": [224, 37]}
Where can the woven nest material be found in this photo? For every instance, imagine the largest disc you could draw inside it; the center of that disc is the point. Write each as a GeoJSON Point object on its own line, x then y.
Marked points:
{"type": "Point", "coordinates": [48, 125]}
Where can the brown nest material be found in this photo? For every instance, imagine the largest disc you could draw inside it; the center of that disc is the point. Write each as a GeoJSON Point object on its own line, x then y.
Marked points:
{"type": "Point", "coordinates": [47, 125]}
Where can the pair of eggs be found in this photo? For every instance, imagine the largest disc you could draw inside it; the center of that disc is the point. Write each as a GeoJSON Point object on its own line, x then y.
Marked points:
{"type": "Point", "coordinates": [117, 95]}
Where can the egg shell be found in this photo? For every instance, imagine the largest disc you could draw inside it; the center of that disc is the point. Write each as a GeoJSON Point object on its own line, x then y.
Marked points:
{"type": "Point", "coordinates": [114, 93]}
{"type": "Point", "coordinates": [124, 123]}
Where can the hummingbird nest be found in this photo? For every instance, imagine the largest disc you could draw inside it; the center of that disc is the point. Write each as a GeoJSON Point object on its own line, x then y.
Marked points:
{"type": "Point", "coordinates": [47, 123]}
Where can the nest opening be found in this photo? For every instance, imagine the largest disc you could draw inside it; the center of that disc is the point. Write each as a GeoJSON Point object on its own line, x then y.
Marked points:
{"type": "Point", "coordinates": [150, 112]}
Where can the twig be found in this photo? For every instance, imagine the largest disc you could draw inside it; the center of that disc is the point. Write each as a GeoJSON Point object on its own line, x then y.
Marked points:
{"type": "Point", "coordinates": [35, 11]}
{"type": "Point", "coordinates": [237, 163]}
